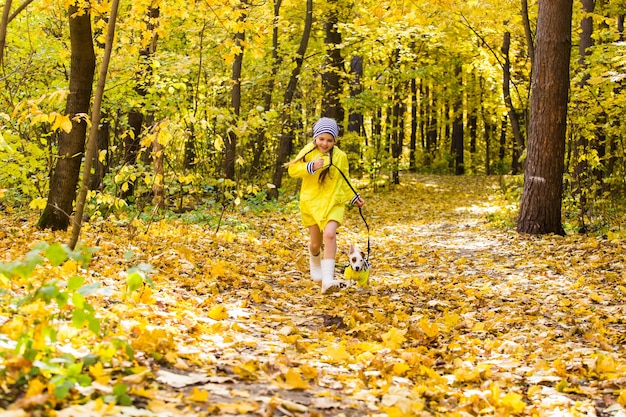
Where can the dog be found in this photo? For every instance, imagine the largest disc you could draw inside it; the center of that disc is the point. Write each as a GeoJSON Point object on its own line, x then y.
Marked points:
{"type": "Point", "coordinates": [358, 268]}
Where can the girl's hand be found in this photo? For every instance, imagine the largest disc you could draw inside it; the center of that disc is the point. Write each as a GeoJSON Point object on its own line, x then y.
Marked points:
{"type": "Point", "coordinates": [359, 202]}
{"type": "Point", "coordinates": [318, 164]}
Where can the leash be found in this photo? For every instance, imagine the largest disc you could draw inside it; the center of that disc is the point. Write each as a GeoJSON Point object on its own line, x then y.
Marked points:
{"type": "Point", "coordinates": [360, 211]}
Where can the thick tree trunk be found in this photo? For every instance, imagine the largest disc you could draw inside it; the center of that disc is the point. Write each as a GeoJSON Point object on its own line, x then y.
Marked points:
{"type": "Point", "coordinates": [331, 80]}
{"type": "Point", "coordinates": [56, 215]}
{"type": "Point", "coordinates": [540, 211]}
{"type": "Point", "coordinates": [286, 137]}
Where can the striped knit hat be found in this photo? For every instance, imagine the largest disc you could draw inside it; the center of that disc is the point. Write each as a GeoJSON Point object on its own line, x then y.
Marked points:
{"type": "Point", "coordinates": [326, 125]}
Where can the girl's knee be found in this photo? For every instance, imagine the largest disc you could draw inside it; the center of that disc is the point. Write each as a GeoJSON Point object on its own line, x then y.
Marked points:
{"type": "Point", "coordinates": [330, 236]}
{"type": "Point", "coordinates": [315, 248]}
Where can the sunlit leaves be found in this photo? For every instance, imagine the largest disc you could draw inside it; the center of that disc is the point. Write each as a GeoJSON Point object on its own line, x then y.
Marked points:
{"type": "Point", "coordinates": [459, 317]}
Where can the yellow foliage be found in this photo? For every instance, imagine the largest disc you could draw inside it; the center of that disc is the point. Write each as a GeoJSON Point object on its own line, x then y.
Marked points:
{"type": "Point", "coordinates": [337, 353]}
{"type": "Point", "coordinates": [218, 312]}
{"type": "Point", "coordinates": [198, 395]}
{"type": "Point", "coordinates": [294, 380]}
{"type": "Point", "coordinates": [463, 319]}
{"type": "Point", "coordinates": [394, 338]}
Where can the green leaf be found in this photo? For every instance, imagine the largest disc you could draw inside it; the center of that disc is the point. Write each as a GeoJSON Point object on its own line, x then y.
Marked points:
{"type": "Point", "coordinates": [78, 318]}
{"type": "Point", "coordinates": [134, 280]}
{"type": "Point", "coordinates": [75, 282]}
{"type": "Point", "coordinates": [78, 300]}
{"type": "Point", "coordinates": [89, 289]}
{"type": "Point", "coordinates": [75, 369]}
{"type": "Point", "coordinates": [94, 324]}
{"type": "Point", "coordinates": [61, 390]}
{"type": "Point", "coordinates": [56, 254]}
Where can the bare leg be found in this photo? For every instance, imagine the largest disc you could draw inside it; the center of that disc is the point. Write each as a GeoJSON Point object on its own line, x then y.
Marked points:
{"type": "Point", "coordinates": [315, 245]}
{"type": "Point", "coordinates": [330, 240]}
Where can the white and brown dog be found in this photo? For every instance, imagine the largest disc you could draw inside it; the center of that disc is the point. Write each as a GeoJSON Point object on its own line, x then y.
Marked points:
{"type": "Point", "coordinates": [359, 267]}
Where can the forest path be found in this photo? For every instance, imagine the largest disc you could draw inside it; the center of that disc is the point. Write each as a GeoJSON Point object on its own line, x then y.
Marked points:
{"type": "Point", "coordinates": [460, 318]}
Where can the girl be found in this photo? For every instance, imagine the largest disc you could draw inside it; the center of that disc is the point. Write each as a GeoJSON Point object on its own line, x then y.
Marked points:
{"type": "Point", "coordinates": [323, 196]}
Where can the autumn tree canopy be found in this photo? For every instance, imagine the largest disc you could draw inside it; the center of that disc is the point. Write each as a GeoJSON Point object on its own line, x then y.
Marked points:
{"type": "Point", "coordinates": [207, 90]}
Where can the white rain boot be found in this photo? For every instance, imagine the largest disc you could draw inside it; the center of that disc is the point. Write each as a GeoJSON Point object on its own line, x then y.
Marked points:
{"type": "Point", "coordinates": [316, 266]}
{"type": "Point", "coordinates": [329, 283]}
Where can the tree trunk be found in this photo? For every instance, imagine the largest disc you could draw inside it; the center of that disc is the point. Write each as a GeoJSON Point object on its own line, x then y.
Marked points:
{"type": "Point", "coordinates": [158, 188]}
{"type": "Point", "coordinates": [580, 180]}
{"type": "Point", "coordinates": [530, 42]}
{"type": "Point", "coordinates": [3, 29]}
{"type": "Point", "coordinates": [355, 118]}
{"type": "Point", "coordinates": [56, 215]}
{"type": "Point", "coordinates": [397, 136]}
{"type": "Point", "coordinates": [413, 139]}
{"type": "Point", "coordinates": [286, 137]}
{"type": "Point", "coordinates": [540, 211]}
{"type": "Point", "coordinates": [92, 143]}
{"type": "Point", "coordinates": [100, 168]}
{"type": "Point", "coordinates": [457, 149]}
{"type": "Point", "coordinates": [230, 144]}
{"type": "Point", "coordinates": [331, 82]}
{"type": "Point", "coordinates": [506, 90]}
{"type": "Point", "coordinates": [431, 127]}
{"type": "Point", "coordinates": [259, 148]}
{"type": "Point", "coordinates": [136, 116]}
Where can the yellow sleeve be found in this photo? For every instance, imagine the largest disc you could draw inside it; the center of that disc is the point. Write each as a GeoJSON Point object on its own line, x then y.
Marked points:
{"type": "Point", "coordinates": [298, 169]}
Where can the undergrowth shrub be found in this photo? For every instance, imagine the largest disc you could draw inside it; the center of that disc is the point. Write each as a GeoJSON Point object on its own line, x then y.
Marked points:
{"type": "Point", "coordinates": [52, 339]}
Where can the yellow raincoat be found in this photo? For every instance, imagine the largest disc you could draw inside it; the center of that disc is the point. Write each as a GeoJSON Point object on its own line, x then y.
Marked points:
{"type": "Point", "coordinates": [320, 203]}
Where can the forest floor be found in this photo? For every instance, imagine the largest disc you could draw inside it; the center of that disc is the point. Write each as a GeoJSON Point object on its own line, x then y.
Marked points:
{"type": "Point", "coordinates": [460, 318]}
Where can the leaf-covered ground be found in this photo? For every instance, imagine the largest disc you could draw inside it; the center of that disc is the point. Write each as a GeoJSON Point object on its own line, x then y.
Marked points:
{"type": "Point", "coordinates": [460, 318]}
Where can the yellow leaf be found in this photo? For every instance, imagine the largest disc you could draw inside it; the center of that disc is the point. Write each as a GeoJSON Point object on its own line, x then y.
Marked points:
{"type": "Point", "coordinates": [604, 364]}
{"type": "Point", "coordinates": [622, 397]}
{"type": "Point", "coordinates": [513, 402]}
{"type": "Point", "coordinates": [294, 380]}
{"type": "Point", "coordinates": [198, 395]}
{"type": "Point", "coordinates": [400, 368]}
{"type": "Point", "coordinates": [38, 203]}
{"type": "Point", "coordinates": [394, 338]}
{"type": "Point", "coordinates": [337, 354]}
{"type": "Point", "coordinates": [596, 297]}
{"type": "Point", "coordinates": [309, 372]}
{"type": "Point", "coordinates": [62, 122]}
{"type": "Point", "coordinates": [35, 387]}
{"type": "Point", "coordinates": [247, 371]}
{"type": "Point", "coordinates": [218, 270]}
{"type": "Point", "coordinates": [99, 374]}
{"type": "Point", "coordinates": [451, 320]}
{"type": "Point", "coordinates": [218, 312]}
{"type": "Point", "coordinates": [430, 329]}
{"type": "Point", "coordinates": [533, 390]}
